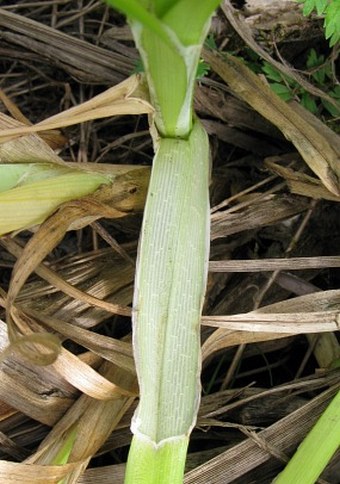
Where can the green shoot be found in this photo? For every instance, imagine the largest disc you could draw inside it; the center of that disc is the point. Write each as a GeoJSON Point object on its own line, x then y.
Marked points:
{"type": "Point", "coordinates": [169, 38]}
{"type": "Point", "coordinates": [330, 10]}
{"type": "Point", "coordinates": [316, 450]}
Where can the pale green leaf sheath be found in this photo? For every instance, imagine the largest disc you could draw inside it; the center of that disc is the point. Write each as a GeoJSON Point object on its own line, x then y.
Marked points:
{"type": "Point", "coordinates": [169, 289]}
{"type": "Point", "coordinates": [173, 250]}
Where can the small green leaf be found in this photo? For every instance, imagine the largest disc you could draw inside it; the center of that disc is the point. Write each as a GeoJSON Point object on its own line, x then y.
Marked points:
{"type": "Point", "coordinates": [335, 92]}
{"type": "Point", "coordinates": [310, 5]}
{"type": "Point", "coordinates": [321, 6]}
{"type": "Point", "coordinates": [308, 102]}
{"type": "Point", "coordinates": [202, 69]}
{"type": "Point", "coordinates": [328, 71]}
{"type": "Point", "coordinates": [271, 73]}
{"type": "Point", "coordinates": [281, 90]}
{"type": "Point", "coordinates": [210, 42]}
{"type": "Point", "coordinates": [313, 60]}
{"type": "Point", "coordinates": [319, 76]}
{"type": "Point", "coordinates": [333, 111]}
{"type": "Point", "coordinates": [332, 22]}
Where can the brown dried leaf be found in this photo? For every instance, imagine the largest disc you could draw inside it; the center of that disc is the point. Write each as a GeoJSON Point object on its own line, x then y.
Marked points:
{"type": "Point", "coordinates": [115, 101]}
{"type": "Point", "coordinates": [14, 473]}
{"type": "Point", "coordinates": [87, 380]}
{"type": "Point", "coordinates": [26, 149]}
{"type": "Point", "coordinates": [55, 139]}
{"type": "Point", "coordinates": [313, 146]}
{"type": "Point", "coordinates": [88, 417]}
{"type": "Point", "coordinates": [224, 338]}
{"type": "Point", "coordinates": [302, 184]}
{"type": "Point", "coordinates": [313, 313]}
{"type": "Point", "coordinates": [49, 235]}
{"type": "Point", "coordinates": [83, 60]}
{"type": "Point", "coordinates": [111, 349]}
{"type": "Point", "coordinates": [260, 211]}
{"type": "Point", "coordinates": [53, 278]}
{"type": "Point", "coordinates": [283, 436]}
{"type": "Point", "coordinates": [276, 264]}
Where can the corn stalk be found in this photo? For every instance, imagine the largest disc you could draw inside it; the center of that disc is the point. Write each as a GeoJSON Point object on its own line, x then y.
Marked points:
{"type": "Point", "coordinates": [174, 244]}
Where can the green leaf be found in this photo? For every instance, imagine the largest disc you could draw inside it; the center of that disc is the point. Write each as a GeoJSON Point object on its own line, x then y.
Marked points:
{"type": "Point", "coordinates": [169, 288]}
{"type": "Point", "coordinates": [320, 75]}
{"type": "Point", "coordinates": [210, 42]}
{"type": "Point", "coordinates": [310, 5]}
{"type": "Point", "coordinates": [139, 67]}
{"type": "Point", "coordinates": [18, 174]}
{"type": "Point", "coordinates": [26, 205]}
{"type": "Point", "coordinates": [161, 7]}
{"type": "Point", "coordinates": [148, 464]}
{"type": "Point", "coordinates": [335, 92]}
{"type": "Point", "coordinates": [167, 77]}
{"type": "Point", "coordinates": [189, 27]}
{"type": "Point", "coordinates": [135, 11]}
{"type": "Point", "coordinates": [316, 450]}
{"type": "Point", "coordinates": [332, 22]}
{"type": "Point", "coordinates": [321, 6]}
{"type": "Point", "coordinates": [308, 102]}
{"type": "Point", "coordinates": [202, 69]}
{"type": "Point", "coordinates": [313, 60]}
{"type": "Point", "coordinates": [275, 75]}
{"type": "Point", "coordinates": [271, 73]}
{"type": "Point", "coordinates": [333, 111]}
{"type": "Point", "coordinates": [281, 90]}
{"type": "Point", "coordinates": [329, 71]}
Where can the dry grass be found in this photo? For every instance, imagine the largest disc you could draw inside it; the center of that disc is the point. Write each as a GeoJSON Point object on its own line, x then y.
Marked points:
{"type": "Point", "coordinates": [271, 316]}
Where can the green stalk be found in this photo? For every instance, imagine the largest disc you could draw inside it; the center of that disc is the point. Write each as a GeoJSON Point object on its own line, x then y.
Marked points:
{"type": "Point", "coordinates": [169, 35]}
{"type": "Point", "coordinates": [316, 450]}
{"type": "Point", "coordinates": [169, 290]}
{"type": "Point", "coordinates": [174, 244]}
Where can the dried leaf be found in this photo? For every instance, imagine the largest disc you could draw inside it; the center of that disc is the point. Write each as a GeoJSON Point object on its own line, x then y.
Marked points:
{"type": "Point", "coordinates": [14, 473]}
{"type": "Point", "coordinates": [314, 148]}
{"type": "Point", "coordinates": [278, 264]}
{"type": "Point", "coordinates": [260, 211]}
{"type": "Point", "coordinates": [86, 379]}
{"type": "Point", "coordinates": [115, 101]}
{"type": "Point", "coordinates": [282, 436]}
{"type": "Point", "coordinates": [55, 139]}
{"type": "Point", "coordinates": [313, 313]}
{"type": "Point", "coordinates": [302, 184]}
{"type": "Point", "coordinates": [26, 149]}
{"type": "Point", "coordinates": [53, 278]}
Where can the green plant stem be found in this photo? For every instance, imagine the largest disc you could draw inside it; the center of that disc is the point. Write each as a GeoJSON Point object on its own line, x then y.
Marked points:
{"type": "Point", "coordinates": [316, 450]}
{"type": "Point", "coordinates": [173, 250]}
{"type": "Point", "coordinates": [153, 464]}
{"type": "Point", "coordinates": [169, 290]}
